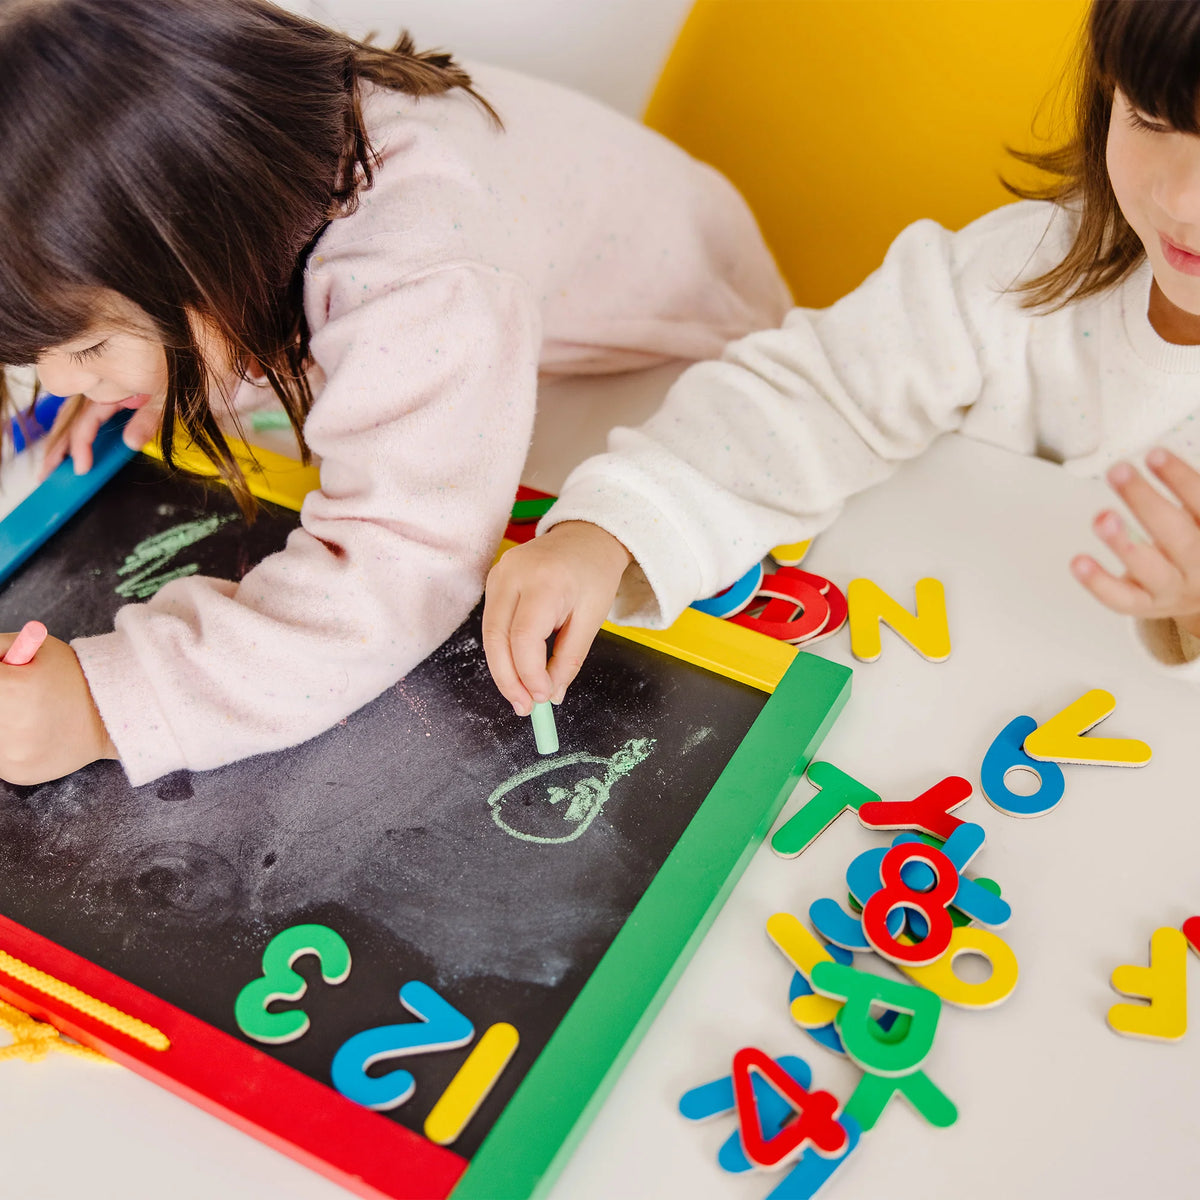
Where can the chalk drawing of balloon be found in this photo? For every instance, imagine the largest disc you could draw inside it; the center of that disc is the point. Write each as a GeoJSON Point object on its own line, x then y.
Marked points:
{"type": "Point", "coordinates": [556, 800]}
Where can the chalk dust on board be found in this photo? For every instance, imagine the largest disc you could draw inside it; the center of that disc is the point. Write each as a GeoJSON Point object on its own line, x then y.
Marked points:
{"type": "Point", "coordinates": [695, 738]}
{"type": "Point", "coordinates": [387, 817]}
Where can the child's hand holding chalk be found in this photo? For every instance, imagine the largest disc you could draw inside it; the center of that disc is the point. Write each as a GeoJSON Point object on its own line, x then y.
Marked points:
{"type": "Point", "coordinates": [560, 584]}
{"type": "Point", "coordinates": [49, 725]}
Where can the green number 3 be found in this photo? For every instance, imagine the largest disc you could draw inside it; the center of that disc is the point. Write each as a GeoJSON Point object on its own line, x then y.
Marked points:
{"type": "Point", "coordinates": [280, 982]}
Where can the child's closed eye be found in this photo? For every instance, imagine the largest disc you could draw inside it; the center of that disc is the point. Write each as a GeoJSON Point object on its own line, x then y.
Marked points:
{"type": "Point", "coordinates": [1142, 121]}
{"type": "Point", "coordinates": [81, 356]}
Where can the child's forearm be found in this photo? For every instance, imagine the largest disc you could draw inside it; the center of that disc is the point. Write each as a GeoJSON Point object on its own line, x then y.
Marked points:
{"type": "Point", "coordinates": [766, 444]}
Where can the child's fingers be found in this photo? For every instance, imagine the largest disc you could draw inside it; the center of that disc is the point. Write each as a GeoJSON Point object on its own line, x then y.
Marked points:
{"type": "Point", "coordinates": [81, 454]}
{"type": "Point", "coordinates": [82, 435]}
{"type": "Point", "coordinates": [52, 455]}
{"type": "Point", "coordinates": [1121, 595]}
{"type": "Point", "coordinates": [498, 607]}
{"type": "Point", "coordinates": [571, 647]}
{"type": "Point", "coordinates": [55, 444]}
{"type": "Point", "coordinates": [1182, 479]}
{"type": "Point", "coordinates": [141, 427]}
{"type": "Point", "coordinates": [534, 619]}
{"type": "Point", "coordinates": [1146, 565]}
{"type": "Point", "coordinates": [1170, 526]}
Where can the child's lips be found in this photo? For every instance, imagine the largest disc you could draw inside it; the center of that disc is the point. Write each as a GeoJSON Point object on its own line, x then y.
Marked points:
{"type": "Point", "coordinates": [1183, 260]}
{"type": "Point", "coordinates": [113, 406]}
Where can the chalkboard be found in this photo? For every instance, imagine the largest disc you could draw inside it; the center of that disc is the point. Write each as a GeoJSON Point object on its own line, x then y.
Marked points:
{"type": "Point", "coordinates": [80, 577]}
{"type": "Point", "coordinates": [425, 830]}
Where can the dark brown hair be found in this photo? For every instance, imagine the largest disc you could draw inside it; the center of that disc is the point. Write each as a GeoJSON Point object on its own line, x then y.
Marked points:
{"type": "Point", "coordinates": [184, 154]}
{"type": "Point", "coordinates": [1150, 50]}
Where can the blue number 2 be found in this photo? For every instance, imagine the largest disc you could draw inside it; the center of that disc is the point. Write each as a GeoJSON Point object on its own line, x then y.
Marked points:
{"type": "Point", "coordinates": [440, 1026]}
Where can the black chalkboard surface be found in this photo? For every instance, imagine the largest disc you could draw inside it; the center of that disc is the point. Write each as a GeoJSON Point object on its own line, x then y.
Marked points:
{"type": "Point", "coordinates": [381, 828]}
{"type": "Point", "coordinates": [556, 895]}
{"type": "Point", "coordinates": [80, 577]}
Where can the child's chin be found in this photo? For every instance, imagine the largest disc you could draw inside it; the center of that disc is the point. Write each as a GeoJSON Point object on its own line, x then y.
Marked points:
{"type": "Point", "coordinates": [1181, 291]}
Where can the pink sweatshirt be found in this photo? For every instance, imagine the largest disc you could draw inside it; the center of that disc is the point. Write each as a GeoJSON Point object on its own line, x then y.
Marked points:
{"type": "Point", "coordinates": [575, 241]}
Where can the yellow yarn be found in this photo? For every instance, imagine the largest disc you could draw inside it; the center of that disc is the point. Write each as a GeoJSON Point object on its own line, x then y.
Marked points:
{"type": "Point", "coordinates": [33, 1040]}
{"type": "Point", "coordinates": [81, 1001]}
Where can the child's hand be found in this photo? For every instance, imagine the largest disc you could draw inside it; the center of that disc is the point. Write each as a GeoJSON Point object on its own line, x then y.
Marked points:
{"type": "Point", "coordinates": [77, 423]}
{"type": "Point", "coordinates": [563, 581]}
{"type": "Point", "coordinates": [49, 725]}
{"type": "Point", "coordinates": [1162, 575]}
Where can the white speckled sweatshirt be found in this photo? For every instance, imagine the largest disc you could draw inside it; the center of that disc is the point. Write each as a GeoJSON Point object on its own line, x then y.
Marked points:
{"type": "Point", "coordinates": [574, 241]}
{"type": "Point", "coordinates": [765, 445]}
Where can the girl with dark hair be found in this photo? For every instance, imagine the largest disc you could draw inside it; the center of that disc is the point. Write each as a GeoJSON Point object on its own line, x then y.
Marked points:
{"type": "Point", "coordinates": [1066, 326]}
{"type": "Point", "coordinates": [206, 205]}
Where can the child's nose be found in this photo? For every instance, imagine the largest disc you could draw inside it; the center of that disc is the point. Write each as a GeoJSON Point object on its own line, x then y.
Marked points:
{"type": "Point", "coordinates": [1177, 188]}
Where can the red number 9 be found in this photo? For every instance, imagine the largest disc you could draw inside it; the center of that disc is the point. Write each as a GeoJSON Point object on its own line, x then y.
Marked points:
{"type": "Point", "coordinates": [931, 904]}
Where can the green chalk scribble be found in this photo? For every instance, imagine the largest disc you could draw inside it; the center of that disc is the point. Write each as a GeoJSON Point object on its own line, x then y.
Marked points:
{"type": "Point", "coordinates": [584, 800]}
{"type": "Point", "coordinates": [145, 565]}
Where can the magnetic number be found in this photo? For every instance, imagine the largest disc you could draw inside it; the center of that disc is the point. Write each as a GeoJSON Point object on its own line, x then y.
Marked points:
{"type": "Point", "coordinates": [280, 982]}
{"type": "Point", "coordinates": [931, 904]}
{"type": "Point", "coordinates": [439, 1026]}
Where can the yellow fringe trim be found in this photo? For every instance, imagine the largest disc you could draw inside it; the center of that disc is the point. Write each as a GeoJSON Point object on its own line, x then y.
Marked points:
{"type": "Point", "coordinates": [82, 1002]}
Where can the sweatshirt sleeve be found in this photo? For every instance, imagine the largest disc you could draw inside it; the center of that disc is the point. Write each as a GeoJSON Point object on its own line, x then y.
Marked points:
{"type": "Point", "coordinates": [764, 445]}
{"type": "Point", "coordinates": [421, 428]}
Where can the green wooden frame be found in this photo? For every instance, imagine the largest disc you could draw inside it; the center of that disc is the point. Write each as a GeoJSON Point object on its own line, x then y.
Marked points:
{"type": "Point", "coordinates": [565, 1087]}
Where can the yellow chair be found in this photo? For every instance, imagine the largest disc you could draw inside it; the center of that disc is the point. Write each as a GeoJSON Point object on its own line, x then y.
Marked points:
{"type": "Point", "coordinates": [842, 121]}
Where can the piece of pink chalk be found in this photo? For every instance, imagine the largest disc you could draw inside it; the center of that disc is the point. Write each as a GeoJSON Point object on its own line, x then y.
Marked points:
{"type": "Point", "coordinates": [26, 644]}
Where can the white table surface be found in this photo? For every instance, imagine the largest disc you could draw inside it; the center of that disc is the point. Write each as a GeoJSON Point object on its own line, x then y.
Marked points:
{"type": "Point", "coordinates": [1052, 1103]}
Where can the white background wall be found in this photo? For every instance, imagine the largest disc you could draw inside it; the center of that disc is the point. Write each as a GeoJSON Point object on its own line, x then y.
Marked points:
{"type": "Point", "coordinates": [613, 49]}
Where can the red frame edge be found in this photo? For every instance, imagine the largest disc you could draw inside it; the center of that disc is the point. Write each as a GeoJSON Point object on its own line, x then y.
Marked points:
{"type": "Point", "coordinates": [310, 1122]}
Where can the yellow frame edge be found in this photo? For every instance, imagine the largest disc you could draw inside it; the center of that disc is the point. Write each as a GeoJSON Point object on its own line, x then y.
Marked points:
{"type": "Point", "coordinates": [716, 645]}
{"type": "Point", "coordinates": [270, 476]}
{"type": "Point", "coordinates": [695, 637]}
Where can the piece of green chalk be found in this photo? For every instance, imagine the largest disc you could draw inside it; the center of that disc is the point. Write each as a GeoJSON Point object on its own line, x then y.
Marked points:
{"type": "Point", "coordinates": [545, 732]}
{"type": "Point", "coordinates": [261, 422]}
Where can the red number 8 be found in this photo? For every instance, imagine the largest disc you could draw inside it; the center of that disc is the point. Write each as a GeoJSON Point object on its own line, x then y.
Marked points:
{"type": "Point", "coordinates": [931, 904]}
